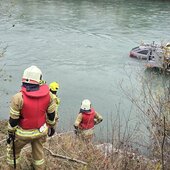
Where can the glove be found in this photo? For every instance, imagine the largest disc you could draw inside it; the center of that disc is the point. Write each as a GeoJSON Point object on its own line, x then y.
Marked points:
{"type": "Point", "coordinates": [11, 136]}
{"type": "Point", "coordinates": [97, 121]}
{"type": "Point", "coordinates": [75, 129]}
{"type": "Point", "coordinates": [51, 131]}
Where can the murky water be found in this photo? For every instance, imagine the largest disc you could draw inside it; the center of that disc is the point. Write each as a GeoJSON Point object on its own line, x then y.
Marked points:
{"type": "Point", "coordinates": [83, 45]}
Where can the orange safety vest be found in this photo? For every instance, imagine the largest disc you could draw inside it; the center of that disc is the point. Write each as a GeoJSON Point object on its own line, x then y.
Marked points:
{"type": "Point", "coordinates": [35, 104]}
{"type": "Point", "coordinates": [87, 119]}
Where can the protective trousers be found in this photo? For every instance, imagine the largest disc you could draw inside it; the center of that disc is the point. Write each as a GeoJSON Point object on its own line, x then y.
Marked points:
{"type": "Point", "coordinates": [37, 152]}
{"type": "Point", "coordinates": [86, 135]}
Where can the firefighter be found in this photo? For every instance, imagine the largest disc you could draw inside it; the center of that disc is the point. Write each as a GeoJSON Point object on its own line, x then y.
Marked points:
{"type": "Point", "coordinates": [167, 56]}
{"type": "Point", "coordinates": [54, 86]}
{"type": "Point", "coordinates": [167, 50]}
{"type": "Point", "coordinates": [32, 117]}
{"type": "Point", "coordinates": [86, 120]}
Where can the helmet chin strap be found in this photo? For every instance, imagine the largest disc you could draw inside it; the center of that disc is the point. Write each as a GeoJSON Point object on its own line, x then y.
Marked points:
{"type": "Point", "coordinates": [84, 111]}
{"type": "Point", "coordinates": [31, 87]}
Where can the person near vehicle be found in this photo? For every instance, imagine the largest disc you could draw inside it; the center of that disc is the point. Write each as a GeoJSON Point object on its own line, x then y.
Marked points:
{"type": "Point", "coordinates": [32, 117]}
{"type": "Point", "coordinates": [167, 56]}
{"type": "Point", "coordinates": [86, 120]}
{"type": "Point", "coordinates": [54, 86]}
{"type": "Point", "coordinates": [167, 50]}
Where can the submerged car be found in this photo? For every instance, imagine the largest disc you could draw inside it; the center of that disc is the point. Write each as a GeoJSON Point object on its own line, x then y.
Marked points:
{"type": "Point", "coordinates": [156, 56]}
{"type": "Point", "coordinates": [143, 51]}
{"type": "Point", "coordinates": [140, 52]}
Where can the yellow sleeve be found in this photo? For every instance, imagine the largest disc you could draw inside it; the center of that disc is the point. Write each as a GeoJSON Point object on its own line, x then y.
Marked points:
{"type": "Point", "coordinates": [98, 118]}
{"type": "Point", "coordinates": [16, 104]}
{"type": "Point", "coordinates": [78, 119]}
{"type": "Point", "coordinates": [57, 105]}
{"type": "Point", "coordinates": [52, 105]}
{"type": "Point", "coordinates": [51, 110]}
{"type": "Point", "coordinates": [58, 100]}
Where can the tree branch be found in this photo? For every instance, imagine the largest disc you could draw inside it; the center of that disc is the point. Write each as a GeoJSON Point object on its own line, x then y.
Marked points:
{"type": "Point", "coordinates": [65, 157]}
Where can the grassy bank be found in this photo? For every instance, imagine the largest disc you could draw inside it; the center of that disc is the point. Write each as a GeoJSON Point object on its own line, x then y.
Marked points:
{"type": "Point", "coordinates": [65, 151]}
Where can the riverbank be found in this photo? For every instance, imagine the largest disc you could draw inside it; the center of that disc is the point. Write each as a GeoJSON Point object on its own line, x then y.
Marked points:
{"type": "Point", "coordinates": [65, 151]}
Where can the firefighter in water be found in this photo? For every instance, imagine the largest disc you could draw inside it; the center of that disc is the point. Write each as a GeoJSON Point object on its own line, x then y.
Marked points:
{"type": "Point", "coordinates": [86, 120]}
{"type": "Point", "coordinates": [32, 117]}
{"type": "Point", "coordinates": [167, 49]}
{"type": "Point", "coordinates": [167, 56]}
{"type": "Point", "coordinates": [54, 86]}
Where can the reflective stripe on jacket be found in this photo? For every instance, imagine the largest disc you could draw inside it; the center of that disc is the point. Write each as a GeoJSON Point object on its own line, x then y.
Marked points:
{"type": "Point", "coordinates": [87, 119]}
{"type": "Point", "coordinates": [33, 113]}
{"type": "Point", "coordinates": [31, 134]}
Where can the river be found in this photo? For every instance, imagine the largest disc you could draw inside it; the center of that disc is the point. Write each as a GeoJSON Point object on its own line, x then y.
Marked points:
{"type": "Point", "coordinates": [84, 46]}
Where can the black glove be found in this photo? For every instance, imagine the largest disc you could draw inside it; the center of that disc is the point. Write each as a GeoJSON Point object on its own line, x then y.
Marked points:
{"type": "Point", "coordinates": [97, 121]}
{"type": "Point", "coordinates": [51, 131]}
{"type": "Point", "coordinates": [11, 136]}
{"type": "Point", "coordinates": [75, 129]}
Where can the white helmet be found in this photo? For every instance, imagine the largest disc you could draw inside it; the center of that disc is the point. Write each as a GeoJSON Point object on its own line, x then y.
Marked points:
{"type": "Point", "coordinates": [86, 104]}
{"type": "Point", "coordinates": [168, 44]}
{"type": "Point", "coordinates": [32, 75]}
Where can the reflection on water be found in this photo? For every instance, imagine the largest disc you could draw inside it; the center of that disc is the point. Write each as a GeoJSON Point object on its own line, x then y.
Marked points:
{"type": "Point", "coordinates": [83, 45]}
